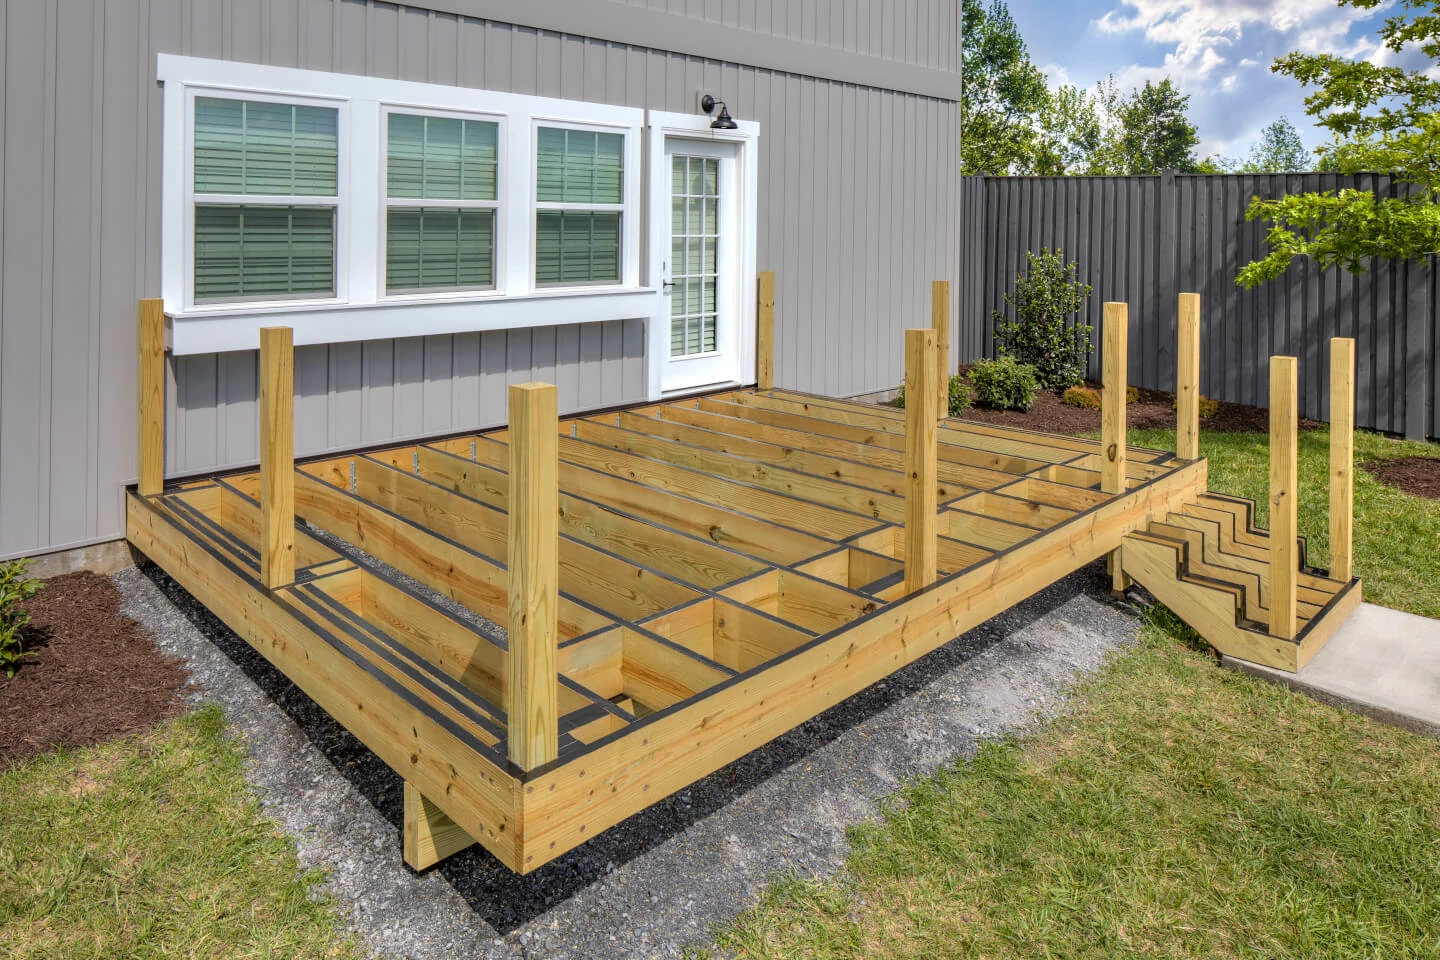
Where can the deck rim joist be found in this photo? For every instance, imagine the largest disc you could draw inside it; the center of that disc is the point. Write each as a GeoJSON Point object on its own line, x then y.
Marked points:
{"type": "Point", "coordinates": [750, 695]}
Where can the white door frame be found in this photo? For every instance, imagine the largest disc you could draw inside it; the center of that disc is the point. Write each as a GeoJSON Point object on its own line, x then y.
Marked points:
{"type": "Point", "coordinates": [696, 127]}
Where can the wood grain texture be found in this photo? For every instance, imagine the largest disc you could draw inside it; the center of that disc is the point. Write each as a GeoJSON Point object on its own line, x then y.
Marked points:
{"type": "Point", "coordinates": [152, 397]}
{"type": "Point", "coordinates": [1187, 379]}
{"type": "Point", "coordinates": [1112, 415]}
{"type": "Point", "coordinates": [921, 412]}
{"type": "Point", "coordinates": [277, 456]}
{"type": "Point", "coordinates": [430, 836]}
{"type": "Point", "coordinates": [1284, 491]}
{"type": "Point", "coordinates": [765, 331]}
{"type": "Point", "coordinates": [532, 705]}
{"type": "Point", "coordinates": [1342, 457]}
{"type": "Point", "coordinates": [940, 323]}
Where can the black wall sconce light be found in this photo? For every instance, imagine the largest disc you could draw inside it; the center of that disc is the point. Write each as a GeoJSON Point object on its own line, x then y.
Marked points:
{"type": "Point", "coordinates": [724, 120]}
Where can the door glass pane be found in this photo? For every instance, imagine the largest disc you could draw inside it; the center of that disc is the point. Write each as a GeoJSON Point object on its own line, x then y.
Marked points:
{"type": "Point", "coordinates": [694, 205]}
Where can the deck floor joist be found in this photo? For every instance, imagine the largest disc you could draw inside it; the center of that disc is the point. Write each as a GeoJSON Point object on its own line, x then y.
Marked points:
{"type": "Point", "coordinates": [730, 566]}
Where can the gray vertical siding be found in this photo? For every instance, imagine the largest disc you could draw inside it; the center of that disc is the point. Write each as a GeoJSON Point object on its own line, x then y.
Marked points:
{"type": "Point", "coordinates": [1143, 240]}
{"type": "Point", "coordinates": [859, 210]}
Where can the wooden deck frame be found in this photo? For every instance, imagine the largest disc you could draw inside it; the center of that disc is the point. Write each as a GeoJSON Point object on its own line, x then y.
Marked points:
{"type": "Point", "coordinates": [715, 590]}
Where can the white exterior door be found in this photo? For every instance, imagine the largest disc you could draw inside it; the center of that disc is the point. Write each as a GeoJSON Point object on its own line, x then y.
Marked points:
{"type": "Point", "coordinates": [701, 263]}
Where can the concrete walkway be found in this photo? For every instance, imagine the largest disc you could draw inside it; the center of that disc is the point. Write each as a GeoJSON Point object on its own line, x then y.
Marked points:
{"type": "Point", "coordinates": [1381, 662]}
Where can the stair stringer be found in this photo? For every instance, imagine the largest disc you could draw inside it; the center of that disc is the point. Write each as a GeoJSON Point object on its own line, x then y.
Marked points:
{"type": "Point", "coordinates": [1159, 566]}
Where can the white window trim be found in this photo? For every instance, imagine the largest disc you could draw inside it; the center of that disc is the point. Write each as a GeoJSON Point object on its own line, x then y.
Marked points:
{"type": "Point", "coordinates": [747, 136]}
{"type": "Point", "coordinates": [361, 309]}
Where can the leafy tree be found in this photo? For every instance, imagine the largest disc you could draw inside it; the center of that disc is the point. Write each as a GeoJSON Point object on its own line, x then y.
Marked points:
{"type": "Point", "coordinates": [1045, 296]}
{"type": "Point", "coordinates": [1070, 133]}
{"type": "Point", "coordinates": [1002, 93]}
{"type": "Point", "coordinates": [1383, 118]}
{"type": "Point", "coordinates": [1155, 130]}
{"type": "Point", "coordinates": [1280, 150]}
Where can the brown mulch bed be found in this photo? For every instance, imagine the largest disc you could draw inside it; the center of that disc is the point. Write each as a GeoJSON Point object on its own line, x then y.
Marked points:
{"type": "Point", "coordinates": [95, 673]}
{"type": "Point", "coordinates": [1415, 475]}
{"type": "Point", "coordinates": [1155, 409]}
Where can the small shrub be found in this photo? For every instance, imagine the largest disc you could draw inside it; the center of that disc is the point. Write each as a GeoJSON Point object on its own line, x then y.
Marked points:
{"type": "Point", "coordinates": [1086, 398]}
{"type": "Point", "coordinates": [1208, 407]}
{"type": "Point", "coordinates": [959, 396]}
{"type": "Point", "coordinates": [1046, 295]}
{"type": "Point", "coordinates": [1132, 394]}
{"type": "Point", "coordinates": [15, 588]}
{"type": "Point", "coordinates": [1004, 384]}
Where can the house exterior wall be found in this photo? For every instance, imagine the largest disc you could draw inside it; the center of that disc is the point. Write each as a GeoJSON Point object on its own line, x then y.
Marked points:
{"type": "Point", "coordinates": [859, 200]}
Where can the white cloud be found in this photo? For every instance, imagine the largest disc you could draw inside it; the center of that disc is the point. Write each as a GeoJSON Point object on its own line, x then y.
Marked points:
{"type": "Point", "coordinates": [1056, 75]}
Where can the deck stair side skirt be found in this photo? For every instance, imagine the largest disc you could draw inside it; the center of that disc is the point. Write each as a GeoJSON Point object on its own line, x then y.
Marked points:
{"type": "Point", "coordinates": [665, 588]}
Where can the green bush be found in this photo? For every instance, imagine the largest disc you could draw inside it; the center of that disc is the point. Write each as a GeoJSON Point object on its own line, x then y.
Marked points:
{"type": "Point", "coordinates": [1004, 384]}
{"type": "Point", "coordinates": [15, 588]}
{"type": "Point", "coordinates": [959, 396]}
{"type": "Point", "coordinates": [1045, 296]}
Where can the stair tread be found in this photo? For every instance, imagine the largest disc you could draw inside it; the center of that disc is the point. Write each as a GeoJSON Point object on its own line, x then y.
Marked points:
{"type": "Point", "coordinates": [1249, 585]}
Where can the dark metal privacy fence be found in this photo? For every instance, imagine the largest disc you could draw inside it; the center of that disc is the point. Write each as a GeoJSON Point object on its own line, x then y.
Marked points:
{"type": "Point", "coordinates": [1146, 239]}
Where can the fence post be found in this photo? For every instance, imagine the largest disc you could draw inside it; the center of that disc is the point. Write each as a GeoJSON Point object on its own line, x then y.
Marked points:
{"type": "Point", "coordinates": [765, 332]}
{"type": "Point", "coordinates": [1284, 486]}
{"type": "Point", "coordinates": [277, 457]}
{"type": "Point", "coordinates": [1112, 415]}
{"type": "Point", "coordinates": [1187, 379]}
{"type": "Point", "coordinates": [921, 439]}
{"type": "Point", "coordinates": [532, 695]}
{"type": "Point", "coordinates": [152, 398]}
{"type": "Point", "coordinates": [1342, 456]}
{"type": "Point", "coordinates": [940, 322]}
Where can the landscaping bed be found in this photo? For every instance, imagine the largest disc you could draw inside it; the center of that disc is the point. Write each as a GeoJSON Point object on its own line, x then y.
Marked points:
{"type": "Point", "coordinates": [1418, 476]}
{"type": "Point", "coordinates": [91, 673]}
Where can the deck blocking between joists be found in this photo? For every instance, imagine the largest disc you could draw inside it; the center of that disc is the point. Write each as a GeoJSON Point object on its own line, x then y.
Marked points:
{"type": "Point", "coordinates": [729, 566]}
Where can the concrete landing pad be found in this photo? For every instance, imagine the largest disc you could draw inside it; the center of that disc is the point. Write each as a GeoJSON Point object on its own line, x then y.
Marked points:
{"type": "Point", "coordinates": [1381, 662]}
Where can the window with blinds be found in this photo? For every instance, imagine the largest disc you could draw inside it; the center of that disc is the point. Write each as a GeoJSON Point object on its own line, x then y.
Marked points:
{"type": "Point", "coordinates": [579, 201]}
{"type": "Point", "coordinates": [266, 194]}
{"type": "Point", "coordinates": [441, 203]}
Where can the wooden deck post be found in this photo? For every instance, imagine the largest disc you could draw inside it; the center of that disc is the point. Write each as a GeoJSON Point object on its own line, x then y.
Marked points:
{"type": "Point", "coordinates": [429, 836]}
{"type": "Point", "coordinates": [765, 332]}
{"type": "Point", "coordinates": [532, 695]}
{"type": "Point", "coordinates": [921, 451]}
{"type": "Point", "coordinates": [1342, 456]}
{"type": "Point", "coordinates": [152, 397]}
{"type": "Point", "coordinates": [940, 321]}
{"type": "Point", "coordinates": [1114, 371]}
{"type": "Point", "coordinates": [1284, 487]}
{"type": "Point", "coordinates": [277, 457]}
{"type": "Point", "coordinates": [1187, 380]}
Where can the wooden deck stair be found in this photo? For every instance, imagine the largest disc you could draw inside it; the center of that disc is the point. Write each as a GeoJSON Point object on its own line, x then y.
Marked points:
{"type": "Point", "coordinates": [1210, 564]}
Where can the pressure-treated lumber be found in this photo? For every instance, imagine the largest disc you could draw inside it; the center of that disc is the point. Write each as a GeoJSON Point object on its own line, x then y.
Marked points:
{"type": "Point", "coordinates": [277, 456]}
{"type": "Point", "coordinates": [1187, 379]}
{"type": "Point", "coordinates": [430, 836]}
{"type": "Point", "coordinates": [765, 331]}
{"type": "Point", "coordinates": [940, 322]}
{"type": "Point", "coordinates": [1284, 490]}
{"type": "Point", "coordinates": [531, 705]}
{"type": "Point", "coordinates": [1112, 415]}
{"type": "Point", "coordinates": [921, 412]}
{"type": "Point", "coordinates": [1342, 456]}
{"type": "Point", "coordinates": [152, 397]}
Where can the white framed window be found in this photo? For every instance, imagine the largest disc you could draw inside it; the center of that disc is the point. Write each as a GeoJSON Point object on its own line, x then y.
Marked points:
{"type": "Point", "coordinates": [353, 208]}
{"type": "Point", "coordinates": [442, 189]}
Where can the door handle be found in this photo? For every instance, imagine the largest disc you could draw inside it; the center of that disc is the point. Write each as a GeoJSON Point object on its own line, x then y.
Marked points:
{"type": "Point", "coordinates": [666, 285]}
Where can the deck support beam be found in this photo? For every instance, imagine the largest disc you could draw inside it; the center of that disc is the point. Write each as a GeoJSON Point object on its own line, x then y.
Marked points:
{"type": "Point", "coordinates": [940, 322]}
{"type": "Point", "coordinates": [921, 443]}
{"type": "Point", "coordinates": [1112, 415]}
{"type": "Point", "coordinates": [1284, 487]}
{"type": "Point", "coordinates": [277, 457]}
{"type": "Point", "coordinates": [429, 835]}
{"type": "Point", "coordinates": [152, 397]}
{"type": "Point", "coordinates": [1342, 457]}
{"type": "Point", "coordinates": [765, 331]}
{"type": "Point", "coordinates": [1187, 379]}
{"type": "Point", "coordinates": [532, 709]}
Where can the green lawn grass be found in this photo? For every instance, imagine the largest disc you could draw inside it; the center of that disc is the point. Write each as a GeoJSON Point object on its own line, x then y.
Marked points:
{"type": "Point", "coordinates": [1397, 536]}
{"type": "Point", "coordinates": [153, 846]}
{"type": "Point", "coordinates": [1177, 810]}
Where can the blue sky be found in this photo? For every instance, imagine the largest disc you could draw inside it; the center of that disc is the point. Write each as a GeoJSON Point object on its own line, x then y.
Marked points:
{"type": "Point", "coordinates": [1218, 51]}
